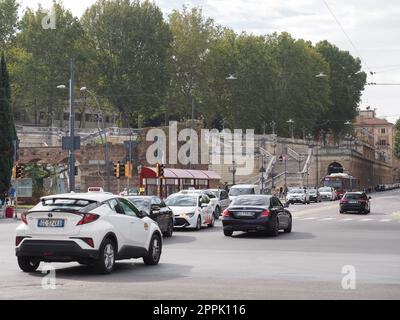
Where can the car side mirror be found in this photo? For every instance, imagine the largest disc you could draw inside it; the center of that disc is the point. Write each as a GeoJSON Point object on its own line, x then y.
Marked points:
{"type": "Point", "coordinates": [155, 207]}
{"type": "Point", "coordinates": [144, 213]}
{"type": "Point", "coordinates": [369, 198]}
{"type": "Point", "coordinates": [286, 205]}
{"type": "Point", "coordinates": [204, 205]}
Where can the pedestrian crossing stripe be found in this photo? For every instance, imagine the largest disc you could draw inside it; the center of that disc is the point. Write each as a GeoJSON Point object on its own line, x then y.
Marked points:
{"type": "Point", "coordinates": [366, 220]}
{"type": "Point", "coordinates": [327, 219]}
{"type": "Point", "coordinates": [385, 220]}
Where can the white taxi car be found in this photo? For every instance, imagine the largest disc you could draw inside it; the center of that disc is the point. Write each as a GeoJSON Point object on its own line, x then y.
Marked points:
{"type": "Point", "coordinates": [94, 228]}
{"type": "Point", "coordinates": [192, 210]}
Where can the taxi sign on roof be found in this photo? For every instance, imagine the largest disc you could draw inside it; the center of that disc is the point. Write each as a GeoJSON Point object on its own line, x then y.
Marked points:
{"type": "Point", "coordinates": [95, 189]}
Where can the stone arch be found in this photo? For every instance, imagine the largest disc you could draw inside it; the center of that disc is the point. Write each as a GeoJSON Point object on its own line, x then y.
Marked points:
{"type": "Point", "coordinates": [335, 167]}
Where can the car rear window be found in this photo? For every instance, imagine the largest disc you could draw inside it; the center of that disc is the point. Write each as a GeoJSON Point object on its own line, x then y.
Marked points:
{"type": "Point", "coordinates": [355, 196]}
{"type": "Point", "coordinates": [66, 204]}
{"type": "Point", "coordinates": [251, 201]}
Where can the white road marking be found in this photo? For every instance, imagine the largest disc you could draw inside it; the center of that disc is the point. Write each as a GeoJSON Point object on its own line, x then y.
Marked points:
{"type": "Point", "coordinates": [385, 220]}
{"type": "Point", "coordinates": [311, 218]}
{"type": "Point", "coordinates": [366, 220]}
{"type": "Point", "coordinates": [346, 219]}
{"type": "Point", "coordinates": [327, 219]}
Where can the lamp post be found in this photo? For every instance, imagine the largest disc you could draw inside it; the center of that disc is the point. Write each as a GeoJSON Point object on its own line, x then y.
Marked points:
{"type": "Point", "coordinates": [71, 146]}
{"type": "Point", "coordinates": [290, 122]}
{"type": "Point", "coordinates": [104, 141]}
{"type": "Point", "coordinates": [262, 171]}
{"type": "Point", "coordinates": [309, 138]}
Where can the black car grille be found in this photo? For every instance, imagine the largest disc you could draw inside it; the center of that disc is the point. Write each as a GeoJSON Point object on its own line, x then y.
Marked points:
{"type": "Point", "coordinates": [181, 222]}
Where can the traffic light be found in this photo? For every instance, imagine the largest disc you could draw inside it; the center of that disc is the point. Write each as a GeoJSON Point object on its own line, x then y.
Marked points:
{"type": "Point", "coordinates": [122, 170]}
{"type": "Point", "coordinates": [129, 170]}
{"type": "Point", "coordinates": [117, 170]}
{"type": "Point", "coordinates": [19, 171]}
{"type": "Point", "coordinates": [162, 167]}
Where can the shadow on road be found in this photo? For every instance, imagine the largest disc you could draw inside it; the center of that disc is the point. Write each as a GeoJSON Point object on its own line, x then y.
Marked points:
{"type": "Point", "coordinates": [282, 236]}
{"type": "Point", "coordinates": [124, 272]}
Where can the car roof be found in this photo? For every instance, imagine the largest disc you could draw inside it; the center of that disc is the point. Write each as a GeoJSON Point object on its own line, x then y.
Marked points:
{"type": "Point", "coordinates": [196, 194]}
{"type": "Point", "coordinates": [140, 197]}
{"type": "Point", "coordinates": [244, 186]}
{"type": "Point", "coordinates": [94, 196]}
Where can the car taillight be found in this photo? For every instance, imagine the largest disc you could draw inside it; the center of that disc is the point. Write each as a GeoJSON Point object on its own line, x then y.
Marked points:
{"type": "Point", "coordinates": [23, 217]}
{"type": "Point", "coordinates": [88, 218]}
{"type": "Point", "coordinates": [344, 201]}
{"type": "Point", "coordinates": [265, 213]}
{"type": "Point", "coordinates": [18, 240]}
{"type": "Point", "coordinates": [227, 213]}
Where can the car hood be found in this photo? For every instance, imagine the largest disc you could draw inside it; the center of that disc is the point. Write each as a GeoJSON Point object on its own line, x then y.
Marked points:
{"type": "Point", "coordinates": [182, 210]}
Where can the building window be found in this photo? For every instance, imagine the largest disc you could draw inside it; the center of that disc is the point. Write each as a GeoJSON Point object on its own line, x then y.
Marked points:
{"type": "Point", "coordinates": [382, 142]}
{"type": "Point", "coordinates": [383, 131]}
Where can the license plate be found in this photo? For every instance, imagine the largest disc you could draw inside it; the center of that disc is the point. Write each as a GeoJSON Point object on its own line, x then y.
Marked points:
{"type": "Point", "coordinates": [353, 202]}
{"type": "Point", "coordinates": [245, 214]}
{"type": "Point", "coordinates": [51, 223]}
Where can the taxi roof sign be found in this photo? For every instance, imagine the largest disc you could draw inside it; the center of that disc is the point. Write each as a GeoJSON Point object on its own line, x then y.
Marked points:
{"type": "Point", "coordinates": [95, 189]}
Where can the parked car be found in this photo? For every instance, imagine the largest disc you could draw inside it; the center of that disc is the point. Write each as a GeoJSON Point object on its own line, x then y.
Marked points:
{"type": "Point", "coordinates": [257, 213]}
{"type": "Point", "coordinates": [355, 202]}
{"type": "Point", "coordinates": [214, 201]}
{"type": "Point", "coordinates": [223, 197]}
{"type": "Point", "coordinates": [298, 195]}
{"type": "Point", "coordinates": [157, 210]}
{"type": "Point", "coordinates": [91, 228]}
{"type": "Point", "coordinates": [314, 195]}
{"type": "Point", "coordinates": [192, 210]}
{"type": "Point", "coordinates": [242, 190]}
{"type": "Point", "coordinates": [328, 193]}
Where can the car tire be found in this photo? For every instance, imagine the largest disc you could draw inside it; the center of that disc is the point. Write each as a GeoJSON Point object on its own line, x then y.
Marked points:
{"type": "Point", "coordinates": [341, 212]}
{"type": "Point", "coordinates": [106, 261]}
{"type": "Point", "coordinates": [198, 224]}
{"type": "Point", "coordinates": [170, 229]}
{"type": "Point", "coordinates": [289, 228]}
{"type": "Point", "coordinates": [211, 225]}
{"type": "Point", "coordinates": [155, 250]}
{"type": "Point", "coordinates": [228, 233]}
{"type": "Point", "coordinates": [28, 264]}
{"type": "Point", "coordinates": [217, 213]}
{"type": "Point", "coordinates": [275, 231]}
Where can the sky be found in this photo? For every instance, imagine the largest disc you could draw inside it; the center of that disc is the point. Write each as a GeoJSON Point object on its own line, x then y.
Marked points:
{"type": "Point", "coordinates": [369, 29]}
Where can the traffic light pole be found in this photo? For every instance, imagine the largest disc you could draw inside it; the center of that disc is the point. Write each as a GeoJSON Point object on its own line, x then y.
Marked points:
{"type": "Point", "coordinates": [71, 161]}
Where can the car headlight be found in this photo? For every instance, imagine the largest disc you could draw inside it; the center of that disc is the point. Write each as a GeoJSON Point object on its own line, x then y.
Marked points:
{"type": "Point", "coordinates": [190, 214]}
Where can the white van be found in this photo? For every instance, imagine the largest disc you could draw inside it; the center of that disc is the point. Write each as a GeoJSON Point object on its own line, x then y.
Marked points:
{"type": "Point", "coordinates": [243, 189]}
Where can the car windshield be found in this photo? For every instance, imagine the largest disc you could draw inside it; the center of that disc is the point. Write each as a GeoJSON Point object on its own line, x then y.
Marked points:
{"type": "Point", "coordinates": [312, 191]}
{"type": "Point", "coordinates": [140, 203]}
{"type": "Point", "coordinates": [251, 201]}
{"type": "Point", "coordinates": [182, 201]}
{"type": "Point", "coordinates": [56, 204]}
{"type": "Point", "coordinates": [325, 190]}
{"type": "Point", "coordinates": [296, 191]}
{"type": "Point", "coordinates": [241, 191]}
{"type": "Point", "coordinates": [215, 193]}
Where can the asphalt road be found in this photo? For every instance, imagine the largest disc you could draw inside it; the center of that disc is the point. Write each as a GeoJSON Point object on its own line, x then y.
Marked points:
{"type": "Point", "coordinates": [306, 264]}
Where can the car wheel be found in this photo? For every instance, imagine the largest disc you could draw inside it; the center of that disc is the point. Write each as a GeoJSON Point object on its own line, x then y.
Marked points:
{"type": "Point", "coordinates": [228, 233]}
{"type": "Point", "coordinates": [198, 223]}
{"type": "Point", "coordinates": [154, 254]}
{"type": "Point", "coordinates": [28, 264]}
{"type": "Point", "coordinates": [106, 262]}
{"type": "Point", "coordinates": [170, 229]}
{"type": "Point", "coordinates": [275, 230]}
{"type": "Point", "coordinates": [341, 211]}
{"type": "Point", "coordinates": [289, 228]}
{"type": "Point", "coordinates": [211, 225]}
{"type": "Point", "coordinates": [217, 213]}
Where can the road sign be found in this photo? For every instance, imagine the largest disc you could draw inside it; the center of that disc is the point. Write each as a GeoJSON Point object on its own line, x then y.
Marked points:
{"type": "Point", "coordinates": [67, 143]}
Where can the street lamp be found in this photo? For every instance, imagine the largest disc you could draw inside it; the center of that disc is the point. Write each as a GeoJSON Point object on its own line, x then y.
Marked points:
{"type": "Point", "coordinates": [321, 75]}
{"type": "Point", "coordinates": [290, 122]}
{"type": "Point", "coordinates": [71, 146]}
{"type": "Point", "coordinates": [104, 141]}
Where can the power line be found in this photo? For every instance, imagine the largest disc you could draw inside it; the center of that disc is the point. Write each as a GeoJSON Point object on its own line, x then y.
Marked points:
{"type": "Point", "coordinates": [347, 36]}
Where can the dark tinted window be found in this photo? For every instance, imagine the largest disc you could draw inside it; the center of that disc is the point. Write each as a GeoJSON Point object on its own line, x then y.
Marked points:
{"type": "Point", "coordinates": [66, 204]}
{"type": "Point", "coordinates": [116, 206]}
{"type": "Point", "coordinates": [129, 208]}
{"type": "Point", "coordinates": [356, 196]}
{"type": "Point", "coordinates": [275, 202]}
{"type": "Point", "coordinates": [140, 203]}
{"type": "Point", "coordinates": [224, 195]}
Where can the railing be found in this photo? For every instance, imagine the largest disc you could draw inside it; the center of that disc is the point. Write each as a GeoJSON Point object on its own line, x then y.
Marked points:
{"type": "Point", "coordinates": [308, 161]}
{"type": "Point", "coordinates": [294, 154]}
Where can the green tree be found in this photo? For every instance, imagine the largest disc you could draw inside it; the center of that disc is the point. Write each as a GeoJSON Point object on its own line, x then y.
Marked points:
{"type": "Point", "coordinates": [397, 140]}
{"type": "Point", "coordinates": [8, 22]}
{"type": "Point", "coordinates": [40, 61]}
{"type": "Point", "coordinates": [131, 42]}
{"type": "Point", "coordinates": [7, 129]}
{"type": "Point", "coordinates": [347, 81]}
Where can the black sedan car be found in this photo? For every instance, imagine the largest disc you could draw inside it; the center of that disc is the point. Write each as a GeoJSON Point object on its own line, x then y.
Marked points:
{"type": "Point", "coordinates": [355, 202]}
{"type": "Point", "coordinates": [157, 210]}
{"type": "Point", "coordinates": [257, 213]}
{"type": "Point", "coordinates": [314, 195]}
